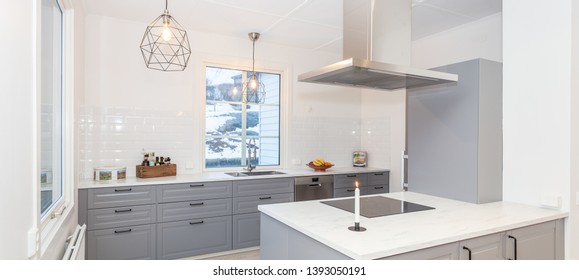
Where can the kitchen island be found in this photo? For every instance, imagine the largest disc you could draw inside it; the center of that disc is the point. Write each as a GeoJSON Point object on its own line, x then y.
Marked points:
{"type": "Point", "coordinates": [453, 230]}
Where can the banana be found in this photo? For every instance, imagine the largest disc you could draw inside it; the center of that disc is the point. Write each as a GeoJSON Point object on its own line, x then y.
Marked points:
{"type": "Point", "coordinates": [319, 162]}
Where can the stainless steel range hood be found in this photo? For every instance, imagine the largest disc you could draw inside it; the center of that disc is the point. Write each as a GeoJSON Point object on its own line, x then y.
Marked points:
{"type": "Point", "coordinates": [365, 35]}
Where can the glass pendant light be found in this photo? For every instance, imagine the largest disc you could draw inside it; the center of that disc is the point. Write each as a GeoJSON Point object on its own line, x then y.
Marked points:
{"type": "Point", "coordinates": [253, 88]}
{"type": "Point", "coordinates": [165, 45]}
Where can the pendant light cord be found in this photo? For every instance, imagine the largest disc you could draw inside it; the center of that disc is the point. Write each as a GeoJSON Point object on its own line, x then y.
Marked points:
{"type": "Point", "coordinates": [253, 58]}
{"type": "Point", "coordinates": [166, 4]}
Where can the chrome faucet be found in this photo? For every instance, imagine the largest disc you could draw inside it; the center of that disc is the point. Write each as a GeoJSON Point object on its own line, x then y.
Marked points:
{"type": "Point", "coordinates": [249, 166]}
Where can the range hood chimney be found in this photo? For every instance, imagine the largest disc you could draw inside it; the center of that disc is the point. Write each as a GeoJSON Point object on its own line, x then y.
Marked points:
{"type": "Point", "coordinates": [365, 36]}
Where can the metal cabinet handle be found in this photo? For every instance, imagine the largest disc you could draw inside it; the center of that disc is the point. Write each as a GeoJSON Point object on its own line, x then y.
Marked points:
{"type": "Point", "coordinates": [196, 204]}
{"type": "Point", "coordinates": [263, 198]}
{"type": "Point", "coordinates": [123, 190]}
{"type": "Point", "coordinates": [196, 186]}
{"type": "Point", "coordinates": [469, 252]}
{"type": "Point", "coordinates": [123, 231]}
{"type": "Point", "coordinates": [377, 188]}
{"type": "Point", "coordinates": [350, 190]}
{"type": "Point", "coordinates": [195, 223]}
{"type": "Point", "coordinates": [378, 174]}
{"type": "Point", "coordinates": [124, 210]}
{"type": "Point", "coordinates": [514, 245]}
{"type": "Point", "coordinates": [350, 176]}
{"type": "Point", "coordinates": [314, 185]}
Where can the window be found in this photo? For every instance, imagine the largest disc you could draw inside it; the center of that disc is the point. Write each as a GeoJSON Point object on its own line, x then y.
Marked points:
{"type": "Point", "coordinates": [51, 105]}
{"type": "Point", "coordinates": [230, 122]}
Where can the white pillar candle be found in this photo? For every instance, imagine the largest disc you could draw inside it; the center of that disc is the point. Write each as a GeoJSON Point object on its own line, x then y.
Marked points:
{"type": "Point", "coordinates": [357, 204]}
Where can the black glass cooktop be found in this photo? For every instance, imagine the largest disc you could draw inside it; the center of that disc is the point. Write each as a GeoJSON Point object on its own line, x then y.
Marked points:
{"type": "Point", "coordinates": [377, 206]}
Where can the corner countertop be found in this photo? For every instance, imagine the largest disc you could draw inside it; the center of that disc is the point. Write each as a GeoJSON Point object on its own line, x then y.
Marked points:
{"type": "Point", "coordinates": [221, 176]}
{"type": "Point", "coordinates": [451, 221]}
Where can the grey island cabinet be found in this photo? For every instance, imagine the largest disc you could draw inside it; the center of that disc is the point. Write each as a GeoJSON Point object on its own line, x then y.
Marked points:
{"type": "Point", "coordinates": [451, 230]}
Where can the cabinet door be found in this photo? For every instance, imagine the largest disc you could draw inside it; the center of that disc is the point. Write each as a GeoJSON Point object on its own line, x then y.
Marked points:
{"type": "Point", "coordinates": [348, 180]}
{"type": "Point", "coordinates": [442, 252]}
{"type": "Point", "coordinates": [488, 247]}
{"type": "Point", "coordinates": [378, 178]}
{"type": "Point", "coordinates": [178, 211]}
{"type": "Point", "coordinates": [246, 230]}
{"type": "Point", "coordinates": [121, 216]}
{"type": "Point", "coordinates": [193, 191]}
{"type": "Point", "coordinates": [248, 204]}
{"type": "Point", "coordinates": [128, 243]}
{"type": "Point", "coordinates": [120, 196]}
{"type": "Point", "coordinates": [536, 242]}
{"type": "Point", "coordinates": [194, 237]}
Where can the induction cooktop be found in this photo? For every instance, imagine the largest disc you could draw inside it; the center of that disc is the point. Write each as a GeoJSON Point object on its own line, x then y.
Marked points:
{"type": "Point", "coordinates": [378, 206]}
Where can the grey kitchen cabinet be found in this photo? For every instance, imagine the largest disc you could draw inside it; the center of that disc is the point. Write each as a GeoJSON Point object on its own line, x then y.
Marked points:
{"type": "Point", "coordinates": [454, 135]}
{"type": "Point", "coordinates": [346, 192]}
{"type": "Point", "coordinates": [442, 252]}
{"type": "Point", "coordinates": [345, 184]}
{"type": "Point", "coordinates": [488, 247]}
{"type": "Point", "coordinates": [193, 191]}
{"type": "Point", "coordinates": [247, 195]}
{"type": "Point", "coordinates": [120, 222]}
{"type": "Point", "coordinates": [378, 182]}
{"type": "Point", "coordinates": [177, 211]}
{"type": "Point", "coordinates": [536, 242]}
{"type": "Point", "coordinates": [193, 237]}
{"type": "Point", "coordinates": [122, 243]}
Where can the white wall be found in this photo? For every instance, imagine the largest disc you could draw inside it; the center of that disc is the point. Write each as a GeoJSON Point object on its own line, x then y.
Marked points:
{"type": "Point", "coordinates": [18, 184]}
{"type": "Point", "coordinates": [478, 39]}
{"type": "Point", "coordinates": [536, 103]}
{"type": "Point", "coordinates": [573, 244]}
{"type": "Point", "coordinates": [128, 107]}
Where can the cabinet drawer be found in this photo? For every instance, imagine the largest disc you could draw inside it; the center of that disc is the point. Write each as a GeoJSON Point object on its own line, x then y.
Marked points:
{"type": "Point", "coordinates": [348, 180]}
{"type": "Point", "coordinates": [378, 178]}
{"type": "Point", "coordinates": [178, 211]}
{"type": "Point", "coordinates": [378, 189]}
{"type": "Point", "coordinates": [194, 237]}
{"type": "Point", "coordinates": [193, 191]}
{"type": "Point", "coordinates": [248, 204]}
{"type": "Point", "coordinates": [121, 216]}
{"type": "Point", "coordinates": [127, 243]}
{"type": "Point", "coordinates": [349, 192]}
{"type": "Point", "coordinates": [246, 230]}
{"type": "Point", "coordinates": [121, 196]}
{"type": "Point", "coordinates": [262, 186]}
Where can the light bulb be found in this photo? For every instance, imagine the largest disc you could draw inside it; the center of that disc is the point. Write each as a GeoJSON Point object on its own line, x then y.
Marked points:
{"type": "Point", "coordinates": [253, 83]}
{"type": "Point", "coordinates": [166, 34]}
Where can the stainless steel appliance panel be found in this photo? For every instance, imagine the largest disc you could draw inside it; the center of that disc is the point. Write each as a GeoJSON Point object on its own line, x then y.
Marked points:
{"type": "Point", "coordinates": [314, 187]}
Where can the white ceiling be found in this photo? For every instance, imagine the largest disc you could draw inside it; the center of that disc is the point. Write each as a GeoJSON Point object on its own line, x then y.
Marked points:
{"type": "Point", "coordinates": [310, 24]}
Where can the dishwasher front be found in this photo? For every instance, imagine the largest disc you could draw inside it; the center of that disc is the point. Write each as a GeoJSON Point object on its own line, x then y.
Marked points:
{"type": "Point", "coordinates": [314, 187]}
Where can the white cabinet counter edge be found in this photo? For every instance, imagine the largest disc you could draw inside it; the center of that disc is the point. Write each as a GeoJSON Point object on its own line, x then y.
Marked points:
{"type": "Point", "coordinates": [221, 176]}
{"type": "Point", "coordinates": [451, 221]}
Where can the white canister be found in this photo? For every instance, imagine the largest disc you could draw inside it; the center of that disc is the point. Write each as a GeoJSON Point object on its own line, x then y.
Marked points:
{"type": "Point", "coordinates": [110, 173]}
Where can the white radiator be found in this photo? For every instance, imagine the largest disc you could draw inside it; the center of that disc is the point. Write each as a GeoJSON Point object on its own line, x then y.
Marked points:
{"type": "Point", "coordinates": [75, 244]}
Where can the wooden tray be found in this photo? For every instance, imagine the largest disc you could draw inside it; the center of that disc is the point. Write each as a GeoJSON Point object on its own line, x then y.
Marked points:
{"type": "Point", "coordinates": [156, 171]}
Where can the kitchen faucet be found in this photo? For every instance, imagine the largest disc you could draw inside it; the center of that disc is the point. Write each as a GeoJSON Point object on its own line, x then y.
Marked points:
{"type": "Point", "coordinates": [249, 166]}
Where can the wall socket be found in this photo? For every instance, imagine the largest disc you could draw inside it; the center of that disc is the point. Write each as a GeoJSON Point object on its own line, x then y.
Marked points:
{"type": "Point", "coordinates": [551, 200]}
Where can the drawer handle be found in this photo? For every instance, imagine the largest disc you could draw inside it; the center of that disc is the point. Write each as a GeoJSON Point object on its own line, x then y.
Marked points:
{"type": "Point", "coordinates": [350, 176]}
{"type": "Point", "coordinates": [196, 204]}
{"type": "Point", "coordinates": [123, 190]}
{"type": "Point", "coordinates": [123, 211]}
{"type": "Point", "coordinates": [377, 188]}
{"type": "Point", "coordinates": [263, 198]}
{"type": "Point", "coordinates": [195, 223]}
{"type": "Point", "coordinates": [469, 252]}
{"type": "Point", "coordinates": [378, 174]}
{"type": "Point", "coordinates": [196, 186]}
{"type": "Point", "coordinates": [315, 185]}
{"type": "Point", "coordinates": [514, 245]}
{"type": "Point", "coordinates": [350, 190]}
{"type": "Point", "coordinates": [123, 231]}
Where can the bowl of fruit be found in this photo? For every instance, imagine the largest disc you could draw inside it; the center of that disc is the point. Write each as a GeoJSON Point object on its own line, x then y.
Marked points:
{"type": "Point", "coordinates": [319, 164]}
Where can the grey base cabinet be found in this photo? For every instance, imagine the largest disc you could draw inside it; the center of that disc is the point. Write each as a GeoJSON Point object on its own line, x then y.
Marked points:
{"type": "Point", "coordinates": [536, 242]}
{"type": "Point", "coordinates": [442, 252]}
{"type": "Point", "coordinates": [488, 247]}
{"type": "Point", "coordinates": [246, 230]}
{"type": "Point", "coordinates": [195, 237]}
{"type": "Point", "coordinates": [126, 243]}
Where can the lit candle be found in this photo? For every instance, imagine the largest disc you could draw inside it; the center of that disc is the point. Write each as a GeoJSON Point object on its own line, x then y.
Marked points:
{"type": "Point", "coordinates": [357, 204]}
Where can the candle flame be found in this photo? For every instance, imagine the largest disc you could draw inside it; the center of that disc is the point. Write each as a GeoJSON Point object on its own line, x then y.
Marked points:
{"type": "Point", "coordinates": [356, 184]}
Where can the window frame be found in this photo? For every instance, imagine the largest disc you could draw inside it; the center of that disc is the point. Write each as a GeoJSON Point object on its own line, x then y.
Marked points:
{"type": "Point", "coordinates": [48, 225]}
{"type": "Point", "coordinates": [283, 107]}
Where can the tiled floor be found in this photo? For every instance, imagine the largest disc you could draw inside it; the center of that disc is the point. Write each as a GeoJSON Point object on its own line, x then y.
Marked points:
{"type": "Point", "coordinates": [248, 255]}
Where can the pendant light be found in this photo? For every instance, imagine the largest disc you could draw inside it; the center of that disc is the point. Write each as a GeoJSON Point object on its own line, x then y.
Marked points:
{"type": "Point", "coordinates": [253, 88]}
{"type": "Point", "coordinates": [165, 45]}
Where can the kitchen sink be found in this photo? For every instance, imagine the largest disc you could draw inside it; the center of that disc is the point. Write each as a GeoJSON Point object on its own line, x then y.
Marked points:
{"type": "Point", "coordinates": [253, 173]}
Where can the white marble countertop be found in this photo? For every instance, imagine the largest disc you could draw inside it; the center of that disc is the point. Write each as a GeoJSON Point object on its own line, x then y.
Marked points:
{"type": "Point", "coordinates": [221, 176]}
{"type": "Point", "coordinates": [451, 221]}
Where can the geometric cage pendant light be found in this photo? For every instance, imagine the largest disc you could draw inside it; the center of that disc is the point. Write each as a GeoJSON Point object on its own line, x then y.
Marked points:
{"type": "Point", "coordinates": [165, 45]}
{"type": "Point", "coordinates": [253, 89]}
